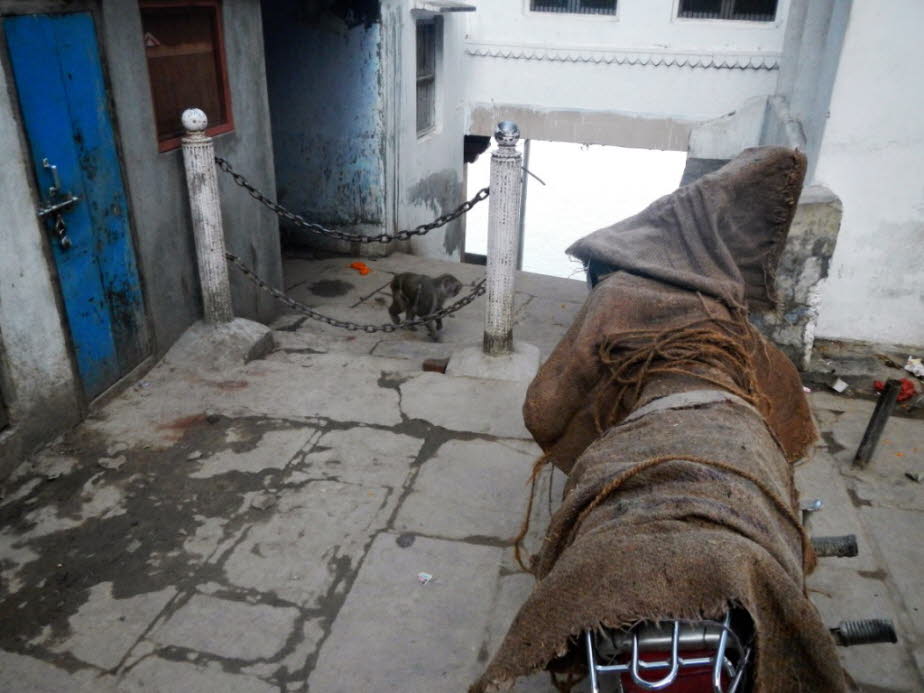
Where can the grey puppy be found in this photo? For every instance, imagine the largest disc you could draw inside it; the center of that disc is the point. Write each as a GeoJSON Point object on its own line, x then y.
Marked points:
{"type": "Point", "coordinates": [418, 295]}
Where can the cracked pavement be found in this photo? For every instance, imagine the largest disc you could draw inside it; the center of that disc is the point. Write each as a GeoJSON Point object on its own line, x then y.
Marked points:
{"type": "Point", "coordinates": [262, 528]}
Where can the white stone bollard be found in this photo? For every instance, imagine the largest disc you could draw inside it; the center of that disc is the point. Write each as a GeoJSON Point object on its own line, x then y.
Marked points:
{"type": "Point", "coordinates": [503, 231]}
{"type": "Point", "coordinates": [202, 181]}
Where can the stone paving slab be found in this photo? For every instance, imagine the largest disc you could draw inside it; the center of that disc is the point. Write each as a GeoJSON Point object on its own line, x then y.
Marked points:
{"type": "Point", "coordinates": [274, 451]}
{"type": "Point", "coordinates": [156, 675]}
{"type": "Point", "coordinates": [157, 415]}
{"type": "Point", "coordinates": [106, 628]}
{"type": "Point", "coordinates": [21, 674]}
{"type": "Point", "coordinates": [511, 592]}
{"type": "Point", "coordinates": [549, 491]}
{"type": "Point", "coordinates": [470, 488]}
{"type": "Point", "coordinates": [466, 404]}
{"type": "Point", "coordinates": [542, 312]}
{"type": "Point", "coordinates": [414, 350]}
{"type": "Point", "coordinates": [820, 478]}
{"type": "Point", "coordinates": [898, 536]}
{"type": "Point", "coordinates": [395, 634]}
{"type": "Point", "coordinates": [841, 594]}
{"type": "Point", "coordinates": [293, 333]}
{"type": "Point", "coordinates": [309, 540]}
{"type": "Point", "coordinates": [226, 628]}
{"type": "Point", "coordinates": [341, 394]}
{"type": "Point", "coordinates": [334, 363]}
{"type": "Point", "coordinates": [360, 455]}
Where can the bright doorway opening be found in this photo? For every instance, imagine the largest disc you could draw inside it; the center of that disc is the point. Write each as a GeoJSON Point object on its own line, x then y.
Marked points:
{"type": "Point", "coordinates": [586, 188]}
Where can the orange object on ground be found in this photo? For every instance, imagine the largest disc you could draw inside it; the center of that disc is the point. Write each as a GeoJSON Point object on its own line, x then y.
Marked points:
{"type": "Point", "coordinates": [361, 267]}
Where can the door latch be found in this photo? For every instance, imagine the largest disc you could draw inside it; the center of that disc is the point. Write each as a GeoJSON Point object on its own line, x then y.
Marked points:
{"type": "Point", "coordinates": [57, 203]}
{"type": "Point", "coordinates": [60, 230]}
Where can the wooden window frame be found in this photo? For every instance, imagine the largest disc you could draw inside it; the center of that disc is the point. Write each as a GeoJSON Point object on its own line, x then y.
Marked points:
{"type": "Point", "coordinates": [222, 68]}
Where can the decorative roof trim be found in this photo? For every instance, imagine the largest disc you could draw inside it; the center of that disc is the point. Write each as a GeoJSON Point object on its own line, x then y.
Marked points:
{"type": "Point", "coordinates": [708, 61]}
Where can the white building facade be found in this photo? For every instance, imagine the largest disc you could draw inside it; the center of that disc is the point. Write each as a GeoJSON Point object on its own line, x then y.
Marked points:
{"type": "Point", "coordinates": [836, 78]}
{"type": "Point", "coordinates": [640, 77]}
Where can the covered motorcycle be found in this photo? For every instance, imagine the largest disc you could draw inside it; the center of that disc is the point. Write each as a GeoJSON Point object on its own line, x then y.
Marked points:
{"type": "Point", "coordinates": [677, 425]}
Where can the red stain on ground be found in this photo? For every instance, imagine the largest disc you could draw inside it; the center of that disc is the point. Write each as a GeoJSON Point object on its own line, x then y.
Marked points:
{"type": "Point", "coordinates": [183, 423]}
{"type": "Point", "coordinates": [231, 384]}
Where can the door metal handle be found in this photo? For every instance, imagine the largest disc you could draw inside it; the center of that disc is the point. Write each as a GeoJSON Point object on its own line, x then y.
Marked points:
{"type": "Point", "coordinates": [60, 206]}
{"type": "Point", "coordinates": [54, 189]}
{"type": "Point", "coordinates": [56, 204]}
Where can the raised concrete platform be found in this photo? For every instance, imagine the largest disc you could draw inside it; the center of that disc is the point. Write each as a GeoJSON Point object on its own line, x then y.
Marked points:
{"type": "Point", "coordinates": [471, 361]}
{"type": "Point", "coordinates": [217, 347]}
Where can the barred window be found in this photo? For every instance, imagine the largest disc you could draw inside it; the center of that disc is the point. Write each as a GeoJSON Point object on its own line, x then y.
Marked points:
{"type": "Point", "coordinates": [574, 6]}
{"type": "Point", "coordinates": [746, 10]}
{"type": "Point", "coordinates": [426, 75]}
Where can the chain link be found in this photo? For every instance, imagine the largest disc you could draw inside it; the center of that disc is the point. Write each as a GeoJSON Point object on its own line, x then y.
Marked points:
{"type": "Point", "coordinates": [476, 291]}
{"type": "Point", "coordinates": [303, 223]}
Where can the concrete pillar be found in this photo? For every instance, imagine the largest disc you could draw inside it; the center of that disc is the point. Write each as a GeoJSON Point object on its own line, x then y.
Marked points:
{"type": "Point", "coordinates": [202, 181]}
{"type": "Point", "coordinates": [801, 275]}
{"type": "Point", "coordinates": [503, 231]}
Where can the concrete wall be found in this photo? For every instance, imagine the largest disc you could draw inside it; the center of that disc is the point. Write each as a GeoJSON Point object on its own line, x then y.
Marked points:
{"type": "Point", "coordinates": [425, 174]}
{"type": "Point", "coordinates": [871, 157]}
{"type": "Point", "coordinates": [327, 116]}
{"type": "Point", "coordinates": [724, 137]}
{"type": "Point", "coordinates": [638, 79]}
{"type": "Point", "coordinates": [36, 378]}
{"type": "Point", "coordinates": [157, 185]}
{"type": "Point", "coordinates": [811, 52]}
{"type": "Point", "coordinates": [801, 275]}
{"type": "Point", "coordinates": [36, 373]}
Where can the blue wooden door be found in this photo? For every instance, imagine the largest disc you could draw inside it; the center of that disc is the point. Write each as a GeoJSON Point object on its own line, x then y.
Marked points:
{"type": "Point", "coordinates": [65, 110]}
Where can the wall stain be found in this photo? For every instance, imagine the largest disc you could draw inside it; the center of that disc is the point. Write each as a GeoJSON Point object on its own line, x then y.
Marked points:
{"type": "Point", "coordinates": [441, 192]}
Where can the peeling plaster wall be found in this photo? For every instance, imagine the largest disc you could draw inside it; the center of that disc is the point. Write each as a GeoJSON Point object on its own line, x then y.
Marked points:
{"type": "Point", "coordinates": [427, 171]}
{"type": "Point", "coordinates": [801, 275]}
{"type": "Point", "coordinates": [871, 157]}
{"type": "Point", "coordinates": [325, 96]}
{"type": "Point", "coordinates": [637, 79]}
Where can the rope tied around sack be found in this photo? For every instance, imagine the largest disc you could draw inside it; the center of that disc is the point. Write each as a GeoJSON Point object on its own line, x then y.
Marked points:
{"type": "Point", "coordinates": [711, 344]}
{"type": "Point", "coordinates": [634, 356]}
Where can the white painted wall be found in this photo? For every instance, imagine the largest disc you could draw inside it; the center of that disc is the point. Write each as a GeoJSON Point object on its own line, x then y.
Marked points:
{"type": "Point", "coordinates": [642, 62]}
{"type": "Point", "coordinates": [871, 157]}
{"type": "Point", "coordinates": [424, 175]}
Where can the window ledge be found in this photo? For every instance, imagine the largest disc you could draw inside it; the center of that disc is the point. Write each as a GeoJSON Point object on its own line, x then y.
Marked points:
{"type": "Point", "coordinates": [441, 6]}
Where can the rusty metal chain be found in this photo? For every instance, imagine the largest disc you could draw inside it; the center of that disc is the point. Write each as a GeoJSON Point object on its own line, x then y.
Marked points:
{"type": "Point", "coordinates": [476, 291]}
{"type": "Point", "coordinates": [303, 223]}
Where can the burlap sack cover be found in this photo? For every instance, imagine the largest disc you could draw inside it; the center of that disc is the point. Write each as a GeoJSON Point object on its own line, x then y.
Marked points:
{"type": "Point", "coordinates": [677, 426]}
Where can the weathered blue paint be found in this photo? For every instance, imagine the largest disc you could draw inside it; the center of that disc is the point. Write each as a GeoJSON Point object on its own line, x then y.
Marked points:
{"type": "Point", "coordinates": [324, 84]}
{"type": "Point", "coordinates": [65, 110]}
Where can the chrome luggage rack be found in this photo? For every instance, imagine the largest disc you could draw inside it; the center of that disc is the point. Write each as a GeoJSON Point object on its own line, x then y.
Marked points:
{"type": "Point", "coordinates": [730, 656]}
